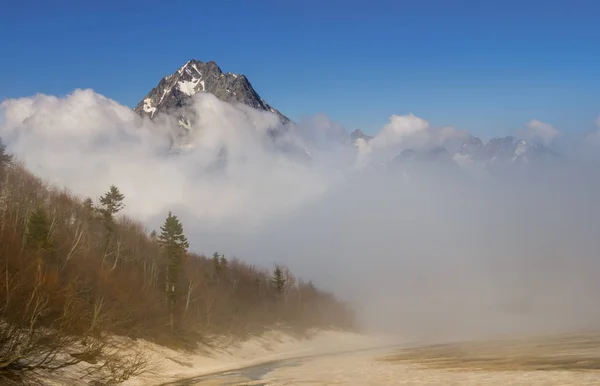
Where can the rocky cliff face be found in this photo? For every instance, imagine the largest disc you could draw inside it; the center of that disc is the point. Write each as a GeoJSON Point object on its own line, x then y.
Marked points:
{"type": "Point", "coordinates": [358, 134]}
{"type": "Point", "coordinates": [175, 91]}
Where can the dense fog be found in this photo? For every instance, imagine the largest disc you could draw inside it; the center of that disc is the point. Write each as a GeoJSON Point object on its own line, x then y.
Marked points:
{"type": "Point", "coordinates": [425, 251]}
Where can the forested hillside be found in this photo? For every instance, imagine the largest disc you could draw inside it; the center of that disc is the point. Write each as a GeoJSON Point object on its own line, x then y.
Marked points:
{"type": "Point", "coordinates": [75, 271]}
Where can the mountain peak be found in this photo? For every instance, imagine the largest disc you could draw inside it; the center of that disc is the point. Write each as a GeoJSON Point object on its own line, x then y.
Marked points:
{"type": "Point", "coordinates": [359, 134]}
{"type": "Point", "coordinates": [175, 91]}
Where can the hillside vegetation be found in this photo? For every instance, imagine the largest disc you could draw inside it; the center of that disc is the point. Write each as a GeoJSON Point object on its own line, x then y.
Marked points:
{"type": "Point", "coordinates": [75, 272]}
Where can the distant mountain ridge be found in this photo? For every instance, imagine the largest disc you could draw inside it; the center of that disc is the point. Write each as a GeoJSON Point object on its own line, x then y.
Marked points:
{"type": "Point", "coordinates": [499, 152]}
{"type": "Point", "coordinates": [499, 155]}
{"type": "Point", "coordinates": [175, 91]}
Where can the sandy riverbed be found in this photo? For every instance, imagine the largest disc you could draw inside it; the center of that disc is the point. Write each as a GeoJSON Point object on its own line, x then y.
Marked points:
{"type": "Point", "coordinates": [564, 360]}
{"type": "Point", "coordinates": [168, 365]}
{"type": "Point", "coordinates": [341, 358]}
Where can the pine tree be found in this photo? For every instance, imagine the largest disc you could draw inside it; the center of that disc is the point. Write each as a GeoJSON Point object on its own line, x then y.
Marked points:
{"type": "Point", "coordinates": [220, 264]}
{"type": "Point", "coordinates": [37, 235]}
{"type": "Point", "coordinates": [223, 263]}
{"type": "Point", "coordinates": [111, 203]}
{"type": "Point", "coordinates": [216, 263]}
{"type": "Point", "coordinates": [5, 158]}
{"type": "Point", "coordinates": [88, 205]}
{"type": "Point", "coordinates": [175, 245]}
{"type": "Point", "coordinates": [278, 281]}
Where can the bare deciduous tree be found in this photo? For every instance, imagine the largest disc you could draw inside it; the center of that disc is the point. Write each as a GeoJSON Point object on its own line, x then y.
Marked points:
{"type": "Point", "coordinates": [66, 287]}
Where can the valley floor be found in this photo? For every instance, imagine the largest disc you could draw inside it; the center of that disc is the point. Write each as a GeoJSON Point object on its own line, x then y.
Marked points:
{"type": "Point", "coordinates": [573, 360]}
{"type": "Point", "coordinates": [343, 358]}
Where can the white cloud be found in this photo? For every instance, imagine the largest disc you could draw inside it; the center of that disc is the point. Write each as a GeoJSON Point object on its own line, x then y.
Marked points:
{"type": "Point", "coordinates": [423, 256]}
{"type": "Point", "coordinates": [449, 137]}
{"type": "Point", "coordinates": [320, 130]}
{"type": "Point", "coordinates": [399, 129]}
{"type": "Point", "coordinates": [402, 131]}
{"type": "Point", "coordinates": [87, 142]}
{"type": "Point", "coordinates": [407, 132]}
{"type": "Point", "coordinates": [540, 131]}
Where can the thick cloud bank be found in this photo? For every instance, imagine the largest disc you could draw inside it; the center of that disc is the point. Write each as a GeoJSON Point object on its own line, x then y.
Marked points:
{"type": "Point", "coordinates": [429, 256]}
{"type": "Point", "coordinates": [87, 142]}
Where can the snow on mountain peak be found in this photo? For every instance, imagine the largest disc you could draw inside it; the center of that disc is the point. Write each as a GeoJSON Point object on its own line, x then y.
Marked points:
{"type": "Point", "coordinates": [522, 147]}
{"type": "Point", "coordinates": [175, 90]}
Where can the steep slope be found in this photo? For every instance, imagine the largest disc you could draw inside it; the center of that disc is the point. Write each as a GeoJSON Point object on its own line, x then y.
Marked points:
{"type": "Point", "coordinates": [175, 91]}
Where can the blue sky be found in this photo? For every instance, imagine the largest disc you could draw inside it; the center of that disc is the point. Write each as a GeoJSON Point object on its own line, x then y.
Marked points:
{"type": "Point", "coordinates": [484, 66]}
